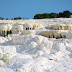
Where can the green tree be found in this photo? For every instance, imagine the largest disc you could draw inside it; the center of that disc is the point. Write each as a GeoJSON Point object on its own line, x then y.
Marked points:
{"type": "Point", "coordinates": [53, 15]}
{"type": "Point", "coordinates": [60, 14]}
{"type": "Point", "coordinates": [7, 19]}
{"type": "Point", "coordinates": [38, 16]}
{"type": "Point", "coordinates": [46, 15]}
{"type": "Point", "coordinates": [57, 15]}
{"type": "Point", "coordinates": [17, 18]}
{"type": "Point", "coordinates": [66, 14]}
{"type": "Point", "coordinates": [1, 18]}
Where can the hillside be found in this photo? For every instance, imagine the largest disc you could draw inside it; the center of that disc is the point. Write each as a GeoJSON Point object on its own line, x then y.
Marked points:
{"type": "Point", "coordinates": [30, 51]}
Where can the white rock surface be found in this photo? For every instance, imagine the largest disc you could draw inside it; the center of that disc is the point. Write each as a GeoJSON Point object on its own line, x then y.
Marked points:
{"type": "Point", "coordinates": [8, 49]}
{"type": "Point", "coordinates": [1, 56]}
{"type": "Point", "coordinates": [7, 57]}
{"type": "Point", "coordinates": [1, 62]}
{"type": "Point", "coordinates": [36, 53]}
{"type": "Point", "coordinates": [0, 50]}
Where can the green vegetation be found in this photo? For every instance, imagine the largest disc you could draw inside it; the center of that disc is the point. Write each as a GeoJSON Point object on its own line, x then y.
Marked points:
{"type": "Point", "coordinates": [17, 18]}
{"type": "Point", "coordinates": [64, 14]}
{"type": "Point", "coordinates": [1, 18]}
{"type": "Point", "coordinates": [7, 19]}
{"type": "Point", "coordinates": [53, 15]}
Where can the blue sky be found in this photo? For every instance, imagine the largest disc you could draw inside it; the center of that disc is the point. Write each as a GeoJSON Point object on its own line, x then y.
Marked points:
{"type": "Point", "coordinates": [29, 8]}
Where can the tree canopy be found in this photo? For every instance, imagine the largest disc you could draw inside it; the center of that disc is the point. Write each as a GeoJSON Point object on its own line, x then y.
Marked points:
{"type": "Point", "coordinates": [17, 18]}
{"type": "Point", "coordinates": [1, 18]}
{"type": "Point", "coordinates": [64, 14]}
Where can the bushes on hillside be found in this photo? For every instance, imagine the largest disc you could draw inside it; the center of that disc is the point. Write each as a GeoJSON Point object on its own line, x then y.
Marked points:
{"type": "Point", "coordinates": [64, 14]}
{"type": "Point", "coordinates": [46, 15]}
{"type": "Point", "coordinates": [53, 15]}
{"type": "Point", "coordinates": [17, 18]}
{"type": "Point", "coordinates": [1, 18]}
{"type": "Point", "coordinates": [7, 19]}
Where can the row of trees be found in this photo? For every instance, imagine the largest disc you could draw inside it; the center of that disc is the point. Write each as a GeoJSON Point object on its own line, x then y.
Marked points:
{"type": "Point", "coordinates": [16, 18]}
{"type": "Point", "coordinates": [64, 14]}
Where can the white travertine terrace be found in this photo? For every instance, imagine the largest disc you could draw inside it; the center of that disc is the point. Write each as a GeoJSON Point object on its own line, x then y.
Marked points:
{"type": "Point", "coordinates": [30, 51]}
{"type": "Point", "coordinates": [55, 33]}
{"type": "Point", "coordinates": [27, 26]}
{"type": "Point", "coordinates": [6, 55]}
{"type": "Point", "coordinates": [60, 27]}
{"type": "Point", "coordinates": [17, 29]}
{"type": "Point", "coordinates": [5, 29]}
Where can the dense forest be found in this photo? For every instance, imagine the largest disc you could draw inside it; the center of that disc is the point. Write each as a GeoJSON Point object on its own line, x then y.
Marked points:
{"type": "Point", "coordinates": [64, 14]}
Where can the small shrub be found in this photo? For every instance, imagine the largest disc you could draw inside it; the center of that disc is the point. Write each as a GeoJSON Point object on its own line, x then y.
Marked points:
{"type": "Point", "coordinates": [7, 19]}
{"type": "Point", "coordinates": [1, 18]}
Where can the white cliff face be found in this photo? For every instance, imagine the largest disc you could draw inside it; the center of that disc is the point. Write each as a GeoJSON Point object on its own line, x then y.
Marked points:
{"type": "Point", "coordinates": [31, 52]}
